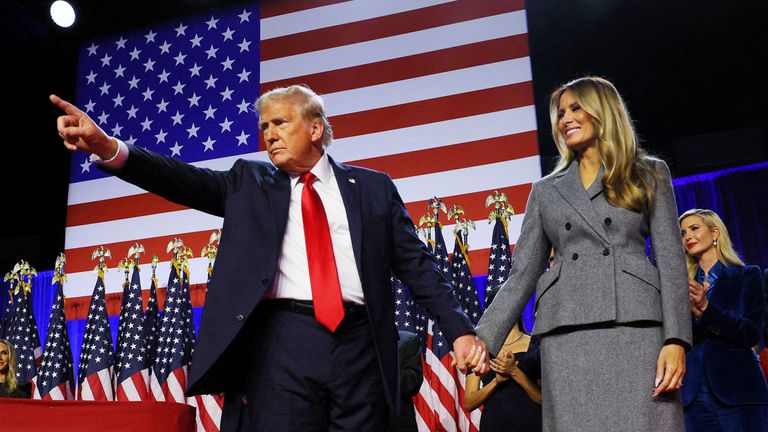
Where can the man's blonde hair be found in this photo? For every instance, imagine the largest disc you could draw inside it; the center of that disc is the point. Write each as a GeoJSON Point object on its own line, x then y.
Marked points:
{"type": "Point", "coordinates": [310, 105]}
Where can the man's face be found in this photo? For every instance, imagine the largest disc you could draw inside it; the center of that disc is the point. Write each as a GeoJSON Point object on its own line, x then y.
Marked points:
{"type": "Point", "coordinates": [293, 142]}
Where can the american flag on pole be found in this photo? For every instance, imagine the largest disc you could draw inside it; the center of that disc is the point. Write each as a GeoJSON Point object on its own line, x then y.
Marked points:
{"type": "Point", "coordinates": [94, 378]}
{"type": "Point", "coordinates": [132, 370]}
{"type": "Point", "coordinates": [439, 403]}
{"type": "Point", "coordinates": [23, 335]}
{"type": "Point", "coordinates": [126, 266]}
{"type": "Point", "coordinates": [55, 377]}
{"type": "Point", "coordinates": [174, 342]}
{"type": "Point", "coordinates": [405, 317]}
{"type": "Point", "coordinates": [151, 325]}
{"type": "Point", "coordinates": [500, 255]}
{"type": "Point", "coordinates": [462, 281]}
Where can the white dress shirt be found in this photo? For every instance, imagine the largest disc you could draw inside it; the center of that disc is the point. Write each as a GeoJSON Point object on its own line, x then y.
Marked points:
{"type": "Point", "coordinates": [292, 278]}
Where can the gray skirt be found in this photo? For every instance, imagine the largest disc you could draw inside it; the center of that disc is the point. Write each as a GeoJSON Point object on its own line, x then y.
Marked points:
{"type": "Point", "coordinates": [600, 378]}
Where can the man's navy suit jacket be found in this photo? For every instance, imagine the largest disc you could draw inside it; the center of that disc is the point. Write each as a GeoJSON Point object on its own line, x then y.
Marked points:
{"type": "Point", "coordinates": [723, 339]}
{"type": "Point", "coordinates": [253, 198]}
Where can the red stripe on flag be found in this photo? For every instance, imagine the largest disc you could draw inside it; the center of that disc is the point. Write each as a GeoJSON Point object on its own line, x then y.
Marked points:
{"type": "Point", "coordinates": [98, 392]}
{"type": "Point", "coordinates": [455, 156]}
{"type": "Point", "coordinates": [474, 203]}
{"type": "Point", "coordinates": [139, 386]}
{"type": "Point", "coordinates": [205, 419]}
{"type": "Point", "coordinates": [78, 259]}
{"type": "Point", "coordinates": [454, 58]}
{"type": "Point", "coordinates": [118, 208]}
{"type": "Point", "coordinates": [385, 26]}
{"type": "Point", "coordinates": [271, 8]}
{"type": "Point", "coordinates": [424, 411]}
{"type": "Point", "coordinates": [433, 110]}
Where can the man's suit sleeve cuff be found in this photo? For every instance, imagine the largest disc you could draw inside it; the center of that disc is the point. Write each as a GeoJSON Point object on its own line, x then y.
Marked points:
{"type": "Point", "coordinates": [117, 161]}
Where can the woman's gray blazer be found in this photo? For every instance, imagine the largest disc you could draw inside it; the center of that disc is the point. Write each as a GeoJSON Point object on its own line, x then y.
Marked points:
{"type": "Point", "coordinates": [601, 273]}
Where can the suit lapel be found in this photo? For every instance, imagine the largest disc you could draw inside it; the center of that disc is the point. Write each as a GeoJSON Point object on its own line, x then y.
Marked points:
{"type": "Point", "coordinates": [279, 189]}
{"type": "Point", "coordinates": [570, 187]}
{"type": "Point", "coordinates": [350, 193]}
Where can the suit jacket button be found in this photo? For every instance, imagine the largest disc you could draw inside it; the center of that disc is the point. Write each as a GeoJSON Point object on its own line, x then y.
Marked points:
{"type": "Point", "coordinates": [608, 221]}
{"type": "Point", "coordinates": [239, 317]}
{"type": "Point", "coordinates": [575, 256]}
{"type": "Point", "coordinates": [606, 252]}
{"type": "Point", "coordinates": [265, 281]}
{"type": "Point", "coordinates": [567, 226]}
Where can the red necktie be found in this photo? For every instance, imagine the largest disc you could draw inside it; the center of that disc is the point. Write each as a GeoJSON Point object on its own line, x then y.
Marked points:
{"type": "Point", "coordinates": [326, 291]}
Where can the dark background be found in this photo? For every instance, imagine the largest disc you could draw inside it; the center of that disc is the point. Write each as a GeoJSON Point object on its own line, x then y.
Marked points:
{"type": "Point", "coordinates": [693, 73]}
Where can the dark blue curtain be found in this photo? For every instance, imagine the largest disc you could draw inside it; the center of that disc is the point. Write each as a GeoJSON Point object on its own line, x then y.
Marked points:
{"type": "Point", "coordinates": [740, 197]}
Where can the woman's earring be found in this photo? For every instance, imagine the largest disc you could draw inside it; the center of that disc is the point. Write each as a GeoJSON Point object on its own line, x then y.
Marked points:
{"type": "Point", "coordinates": [715, 242]}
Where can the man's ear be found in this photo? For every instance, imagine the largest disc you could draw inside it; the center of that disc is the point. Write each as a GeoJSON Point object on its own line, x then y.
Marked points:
{"type": "Point", "coordinates": [317, 130]}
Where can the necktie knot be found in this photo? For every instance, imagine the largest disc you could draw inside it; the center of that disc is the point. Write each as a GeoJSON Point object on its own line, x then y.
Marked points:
{"type": "Point", "coordinates": [307, 178]}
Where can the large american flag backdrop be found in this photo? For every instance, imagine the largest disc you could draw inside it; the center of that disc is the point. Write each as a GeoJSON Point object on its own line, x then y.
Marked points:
{"type": "Point", "coordinates": [436, 93]}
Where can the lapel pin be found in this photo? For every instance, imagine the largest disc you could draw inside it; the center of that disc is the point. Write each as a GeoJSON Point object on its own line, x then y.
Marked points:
{"type": "Point", "coordinates": [351, 180]}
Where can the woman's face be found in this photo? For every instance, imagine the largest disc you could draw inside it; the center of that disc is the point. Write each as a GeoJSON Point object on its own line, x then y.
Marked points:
{"type": "Point", "coordinates": [575, 125]}
{"type": "Point", "coordinates": [5, 355]}
{"type": "Point", "coordinates": [697, 237]}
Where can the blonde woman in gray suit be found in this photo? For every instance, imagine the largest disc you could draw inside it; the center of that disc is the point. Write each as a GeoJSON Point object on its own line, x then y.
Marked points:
{"type": "Point", "coordinates": [615, 327]}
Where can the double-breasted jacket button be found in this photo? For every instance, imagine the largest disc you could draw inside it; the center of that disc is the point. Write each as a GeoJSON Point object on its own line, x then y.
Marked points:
{"type": "Point", "coordinates": [567, 226]}
{"type": "Point", "coordinates": [575, 256]}
{"type": "Point", "coordinates": [606, 252]}
{"type": "Point", "coordinates": [239, 317]}
{"type": "Point", "coordinates": [608, 221]}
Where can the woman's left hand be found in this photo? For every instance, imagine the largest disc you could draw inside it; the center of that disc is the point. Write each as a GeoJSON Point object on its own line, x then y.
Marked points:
{"type": "Point", "coordinates": [670, 369]}
{"type": "Point", "coordinates": [698, 296]}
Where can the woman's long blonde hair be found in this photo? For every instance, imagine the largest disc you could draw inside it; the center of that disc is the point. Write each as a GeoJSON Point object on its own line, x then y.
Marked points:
{"type": "Point", "coordinates": [630, 175]}
{"type": "Point", "coordinates": [724, 247]}
{"type": "Point", "coordinates": [10, 377]}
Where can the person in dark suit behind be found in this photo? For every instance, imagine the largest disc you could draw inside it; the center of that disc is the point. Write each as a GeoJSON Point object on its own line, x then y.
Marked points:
{"type": "Point", "coordinates": [724, 389]}
{"type": "Point", "coordinates": [411, 377]}
{"type": "Point", "coordinates": [299, 313]}
{"type": "Point", "coordinates": [9, 387]}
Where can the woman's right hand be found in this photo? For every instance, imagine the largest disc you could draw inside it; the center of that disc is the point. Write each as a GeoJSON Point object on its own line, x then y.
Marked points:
{"type": "Point", "coordinates": [504, 366]}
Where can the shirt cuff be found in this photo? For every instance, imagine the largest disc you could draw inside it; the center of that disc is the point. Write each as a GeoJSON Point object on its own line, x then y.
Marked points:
{"type": "Point", "coordinates": [115, 162]}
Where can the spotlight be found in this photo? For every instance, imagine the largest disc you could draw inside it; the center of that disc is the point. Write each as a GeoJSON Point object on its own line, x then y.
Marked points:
{"type": "Point", "coordinates": [62, 13]}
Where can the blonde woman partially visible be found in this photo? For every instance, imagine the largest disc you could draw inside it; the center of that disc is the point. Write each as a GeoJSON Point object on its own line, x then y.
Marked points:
{"type": "Point", "coordinates": [9, 388]}
{"type": "Point", "coordinates": [725, 389]}
{"type": "Point", "coordinates": [722, 246]}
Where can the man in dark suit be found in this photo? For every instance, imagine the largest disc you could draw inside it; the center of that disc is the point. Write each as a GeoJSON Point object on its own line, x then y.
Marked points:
{"type": "Point", "coordinates": [299, 314]}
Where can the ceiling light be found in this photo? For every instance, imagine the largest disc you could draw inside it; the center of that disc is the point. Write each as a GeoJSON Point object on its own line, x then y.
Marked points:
{"type": "Point", "coordinates": [62, 13]}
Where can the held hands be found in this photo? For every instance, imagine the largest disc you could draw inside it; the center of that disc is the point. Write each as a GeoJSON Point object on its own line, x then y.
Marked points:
{"type": "Point", "coordinates": [471, 353]}
{"type": "Point", "coordinates": [79, 132]}
{"type": "Point", "coordinates": [698, 297]}
{"type": "Point", "coordinates": [670, 369]}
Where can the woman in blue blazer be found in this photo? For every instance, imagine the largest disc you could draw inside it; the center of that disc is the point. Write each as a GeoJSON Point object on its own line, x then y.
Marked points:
{"type": "Point", "coordinates": [724, 388]}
